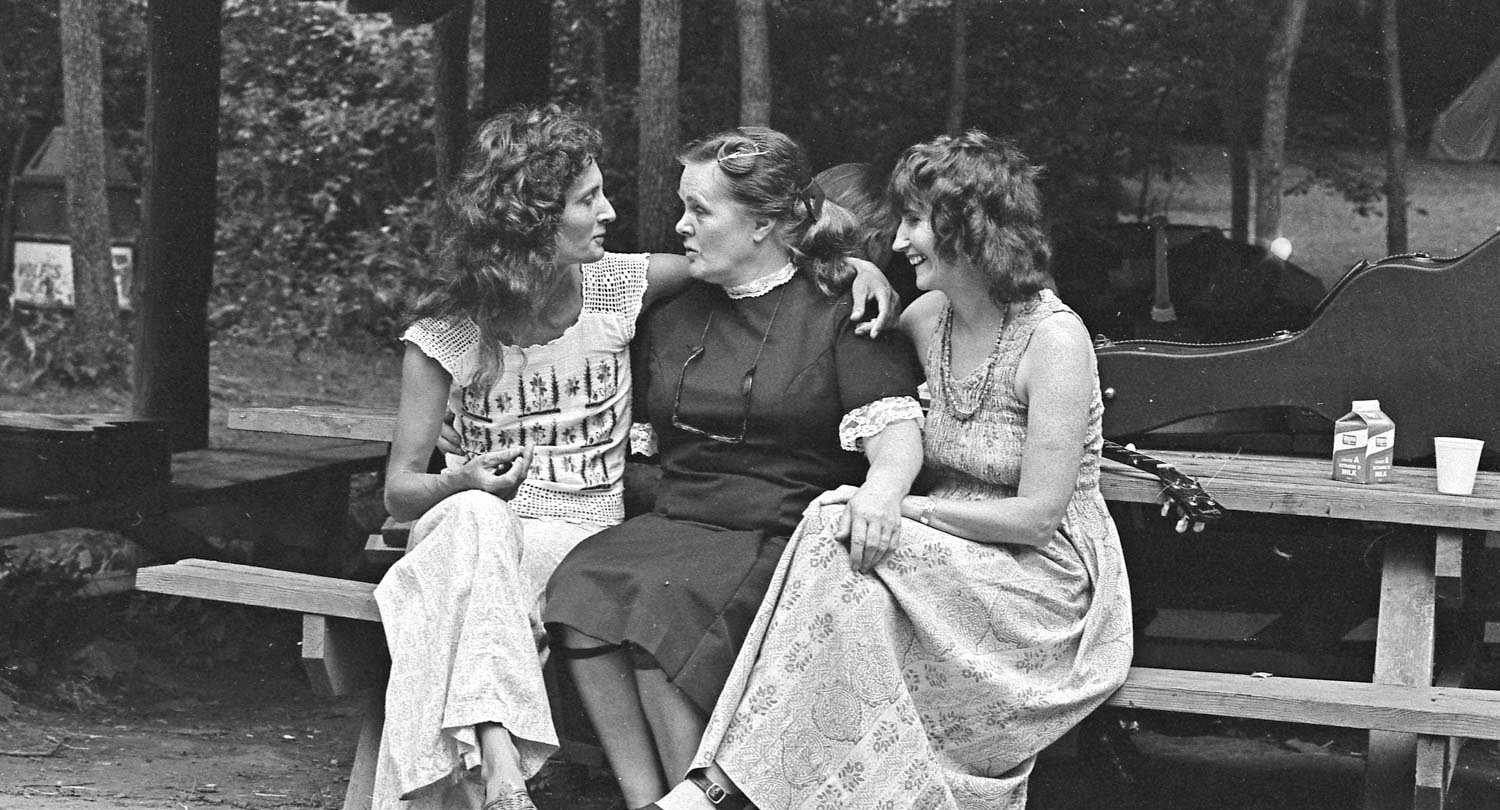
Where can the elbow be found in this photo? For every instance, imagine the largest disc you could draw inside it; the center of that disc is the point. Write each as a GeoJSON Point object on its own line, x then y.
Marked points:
{"type": "Point", "coordinates": [1041, 532]}
{"type": "Point", "coordinates": [397, 508]}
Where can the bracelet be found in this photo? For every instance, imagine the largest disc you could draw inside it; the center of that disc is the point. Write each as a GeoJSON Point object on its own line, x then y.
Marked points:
{"type": "Point", "coordinates": [924, 516]}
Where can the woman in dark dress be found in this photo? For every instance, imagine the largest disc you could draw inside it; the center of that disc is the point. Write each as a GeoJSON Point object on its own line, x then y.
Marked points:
{"type": "Point", "coordinates": [762, 397]}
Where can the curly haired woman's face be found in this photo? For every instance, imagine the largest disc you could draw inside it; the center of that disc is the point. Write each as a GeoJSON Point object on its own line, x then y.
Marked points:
{"type": "Point", "coordinates": [915, 239]}
{"type": "Point", "coordinates": [585, 219]}
{"type": "Point", "coordinates": [717, 232]}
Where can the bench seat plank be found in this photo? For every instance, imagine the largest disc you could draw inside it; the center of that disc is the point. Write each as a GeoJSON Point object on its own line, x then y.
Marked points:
{"type": "Point", "coordinates": [263, 587]}
{"type": "Point", "coordinates": [1291, 485]}
{"type": "Point", "coordinates": [368, 424]}
{"type": "Point", "coordinates": [1351, 704]}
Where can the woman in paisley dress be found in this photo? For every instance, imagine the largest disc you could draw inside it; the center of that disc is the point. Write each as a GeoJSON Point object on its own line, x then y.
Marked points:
{"type": "Point", "coordinates": [524, 341]}
{"type": "Point", "coordinates": [761, 398]}
{"type": "Point", "coordinates": [1000, 616]}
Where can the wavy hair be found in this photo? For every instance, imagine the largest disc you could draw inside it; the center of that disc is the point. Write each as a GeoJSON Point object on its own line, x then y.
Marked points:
{"type": "Point", "coordinates": [504, 210]}
{"type": "Point", "coordinates": [981, 195]}
{"type": "Point", "coordinates": [769, 174]}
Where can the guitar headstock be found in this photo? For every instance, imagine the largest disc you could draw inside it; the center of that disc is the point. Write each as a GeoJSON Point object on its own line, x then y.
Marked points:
{"type": "Point", "coordinates": [1195, 505]}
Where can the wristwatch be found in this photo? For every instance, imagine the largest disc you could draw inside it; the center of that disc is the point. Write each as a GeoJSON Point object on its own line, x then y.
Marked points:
{"type": "Point", "coordinates": [924, 514]}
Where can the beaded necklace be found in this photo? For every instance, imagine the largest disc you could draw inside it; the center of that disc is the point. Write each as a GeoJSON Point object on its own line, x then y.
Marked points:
{"type": "Point", "coordinates": [963, 401]}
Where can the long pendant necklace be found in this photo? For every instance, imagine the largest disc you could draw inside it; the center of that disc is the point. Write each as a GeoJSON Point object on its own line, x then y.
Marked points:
{"type": "Point", "coordinates": [964, 400]}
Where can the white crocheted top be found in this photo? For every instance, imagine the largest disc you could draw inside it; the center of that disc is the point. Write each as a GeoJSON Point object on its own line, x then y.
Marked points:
{"type": "Point", "coordinates": [569, 399]}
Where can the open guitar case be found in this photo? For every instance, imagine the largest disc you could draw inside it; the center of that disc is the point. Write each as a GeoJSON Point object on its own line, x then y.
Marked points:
{"type": "Point", "coordinates": [1419, 334]}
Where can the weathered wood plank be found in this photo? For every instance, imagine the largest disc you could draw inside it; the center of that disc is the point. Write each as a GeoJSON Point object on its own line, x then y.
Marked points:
{"type": "Point", "coordinates": [264, 587]}
{"type": "Point", "coordinates": [1448, 565]}
{"type": "Point", "coordinates": [368, 424]}
{"type": "Point", "coordinates": [1404, 649]}
{"type": "Point", "coordinates": [343, 656]}
{"type": "Point", "coordinates": [1349, 704]}
{"type": "Point", "coordinates": [360, 795]}
{"type": "Point", "coordinates": [1303, 486]}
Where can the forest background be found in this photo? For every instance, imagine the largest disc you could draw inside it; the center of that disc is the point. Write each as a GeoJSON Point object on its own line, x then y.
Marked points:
{"type": "Point", "coordinates": [327, 196]}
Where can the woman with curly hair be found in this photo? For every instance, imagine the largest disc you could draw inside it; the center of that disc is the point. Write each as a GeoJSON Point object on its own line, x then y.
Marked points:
{"type": "Point", "coordinates": [998, 616]}
{"type": "Point", "coordinates": [524, 341]}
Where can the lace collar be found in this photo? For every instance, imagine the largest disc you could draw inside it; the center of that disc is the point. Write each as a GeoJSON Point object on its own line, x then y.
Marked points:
{"type": "Point", "coordinates": [764, 284]}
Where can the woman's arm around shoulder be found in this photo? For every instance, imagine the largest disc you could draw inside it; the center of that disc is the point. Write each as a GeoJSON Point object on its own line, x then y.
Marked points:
{"type": "Point", "coordinates": [666, 275]}
{"type": "Point", "coordinates": [920, 318]}
{"type": "Point", "coordinates": [409, 489]}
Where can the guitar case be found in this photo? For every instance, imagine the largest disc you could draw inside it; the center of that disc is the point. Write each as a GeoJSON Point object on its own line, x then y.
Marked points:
{"type": "Point", "coordinates": [1419, 334]}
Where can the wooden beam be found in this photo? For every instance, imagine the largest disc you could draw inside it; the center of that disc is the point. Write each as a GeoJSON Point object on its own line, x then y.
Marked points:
{"type": "Point", "coordinates": [369, 424]}
{"type": "Point", "coordinates": [343, 656]}
{"type": "Point", "coordinates": [1349, 704]}
{"type": "Point", "coordinates": [1404, 649]}
{"type": "Point", "coordinates": [263, 587]}
{"type": "Point", "coordinates": [174, 265]}
{"type": "Point", "coordinates": [517, 54]}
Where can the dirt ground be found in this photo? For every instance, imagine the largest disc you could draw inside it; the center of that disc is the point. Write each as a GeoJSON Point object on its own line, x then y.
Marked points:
{"type": "Point", "coordinates": [176, 727]}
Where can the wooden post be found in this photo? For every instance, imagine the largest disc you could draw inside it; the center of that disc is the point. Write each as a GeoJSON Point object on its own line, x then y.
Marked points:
{"type": "Point", "coordinates": [174, 271]}
{"type": "Point", "coordinates": [517, 54]}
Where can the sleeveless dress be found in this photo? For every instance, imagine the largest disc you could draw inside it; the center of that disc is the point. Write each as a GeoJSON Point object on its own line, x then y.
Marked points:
{"type": "Point", "coordinates": [933, 681]}
{"type": "Point", "coordinates": [462, 608]}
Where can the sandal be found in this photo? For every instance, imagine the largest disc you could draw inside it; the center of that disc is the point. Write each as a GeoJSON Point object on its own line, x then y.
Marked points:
{"type": "Point", "coordinates": [518, 800]}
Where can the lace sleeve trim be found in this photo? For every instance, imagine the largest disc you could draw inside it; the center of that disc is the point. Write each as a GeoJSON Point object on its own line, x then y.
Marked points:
{"type": "Point", "coordinates": [451, 343]}
{"type": "Point", "coordinates": [642, 439]}
{"type": "Point", "coordinates": [869, 419]}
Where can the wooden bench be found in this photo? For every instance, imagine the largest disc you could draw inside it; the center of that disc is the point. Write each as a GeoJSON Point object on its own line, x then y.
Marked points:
{"type": "Point", "coordinates": [343, 651]}
{"type": "Point", "coordinates": [1417, 706]}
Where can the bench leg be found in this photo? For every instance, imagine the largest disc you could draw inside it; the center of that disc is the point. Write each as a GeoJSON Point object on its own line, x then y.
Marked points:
{"type": "Point", "coordinates": [361, 792]}
{"type": "Point", "coordinates": [1404, 648]}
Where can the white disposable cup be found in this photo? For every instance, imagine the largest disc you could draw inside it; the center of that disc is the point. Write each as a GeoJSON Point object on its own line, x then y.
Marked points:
{"type": "Point", "coordinates": [1457, 460]}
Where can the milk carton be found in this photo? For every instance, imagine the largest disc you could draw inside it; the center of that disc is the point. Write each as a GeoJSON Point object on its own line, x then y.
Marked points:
{"type": "Point", "coordinates": [1364, 444]}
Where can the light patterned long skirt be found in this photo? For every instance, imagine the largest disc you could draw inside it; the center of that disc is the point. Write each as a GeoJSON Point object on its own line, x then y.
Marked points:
{"type": "Point", "coordinates": [462, 618]}
{"type": "Point", "coordinates": [931, 682]}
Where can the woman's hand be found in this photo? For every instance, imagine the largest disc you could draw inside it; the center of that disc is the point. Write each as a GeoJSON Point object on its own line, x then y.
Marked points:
{"type": "Point", "coordinates": [870, 524]}
{"type": "Point", "coordinates": [498, 472]}
{"type": "Point", "coordinates": [448, 438]}
{"type": "Point", "coordinates": [871, 285]}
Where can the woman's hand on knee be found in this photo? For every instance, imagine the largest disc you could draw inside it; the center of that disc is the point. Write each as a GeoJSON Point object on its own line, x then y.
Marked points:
{"type": "Point", "coordinates": [498, 472]}
{"type": "Point", "coordinates": [870, 524]}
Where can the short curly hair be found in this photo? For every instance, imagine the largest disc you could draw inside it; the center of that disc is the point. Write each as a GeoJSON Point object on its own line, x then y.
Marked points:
{"type": "Point", "coordinates": [503, 215]}
{"type": "Point", "coordinates": [981, 196]}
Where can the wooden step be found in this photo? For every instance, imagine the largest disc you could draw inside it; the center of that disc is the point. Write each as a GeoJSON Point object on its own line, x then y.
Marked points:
{"type": "Point", "coordinates": [1433, 710]}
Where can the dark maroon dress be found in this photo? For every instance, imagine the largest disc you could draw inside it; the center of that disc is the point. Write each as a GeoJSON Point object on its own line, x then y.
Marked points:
{"type": "Point", "coordinates": [684, 582]}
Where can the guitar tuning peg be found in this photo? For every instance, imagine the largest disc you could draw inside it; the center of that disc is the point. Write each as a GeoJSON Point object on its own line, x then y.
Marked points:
{"type": "Point", "coordinates": [1166, 508]}
{"type": "Point", "coordinates": [1182, 525]}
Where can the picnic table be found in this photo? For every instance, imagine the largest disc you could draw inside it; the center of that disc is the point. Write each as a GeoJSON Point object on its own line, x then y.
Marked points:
{"type": "Point", "coordinates": [1417, 706]}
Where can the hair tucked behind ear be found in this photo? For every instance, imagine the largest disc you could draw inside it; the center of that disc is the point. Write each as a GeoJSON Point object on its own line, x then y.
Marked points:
{"type": "Point", "coordinates": [504, 212]}
{"type": "Point", "coordinates": [984, 206]}
{"type": "Point", "coordinates": [768, 173]}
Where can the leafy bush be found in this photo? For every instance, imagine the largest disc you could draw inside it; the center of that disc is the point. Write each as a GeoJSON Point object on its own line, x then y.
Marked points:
{"type": "Point", "coordinates": [325, 162]}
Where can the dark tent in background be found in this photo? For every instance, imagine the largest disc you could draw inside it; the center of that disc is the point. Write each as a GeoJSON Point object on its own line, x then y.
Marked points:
{"type": "Point", "coordinates": [1468, 131]}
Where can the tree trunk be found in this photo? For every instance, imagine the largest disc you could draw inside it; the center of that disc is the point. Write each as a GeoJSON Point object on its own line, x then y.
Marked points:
{"type": "Point", "coordinates": [1395, 152]}
{"type": "Point", "coordinates": [755, 63]}
{"type": "Point", "coordinates": [1283, 53]}
{"type": "Point", "coordinates": [450, 91]}
{"type": "Point", "coordinates": [657, 118]}
{"type": "Point", "coordinates": [175, 271]}
{"type": "Point", "coordinates": [517, 54]}
{"type": "Point", "coordinates": [1237, 141]}
{"type": "Point", "coordinates": [958, 76]}
{"type": "Point", "coordinates": [95, 300]}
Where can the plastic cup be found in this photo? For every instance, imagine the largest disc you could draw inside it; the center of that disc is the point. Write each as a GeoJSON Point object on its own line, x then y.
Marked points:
{"type": "Point", "coordinates": [1457, 460]}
